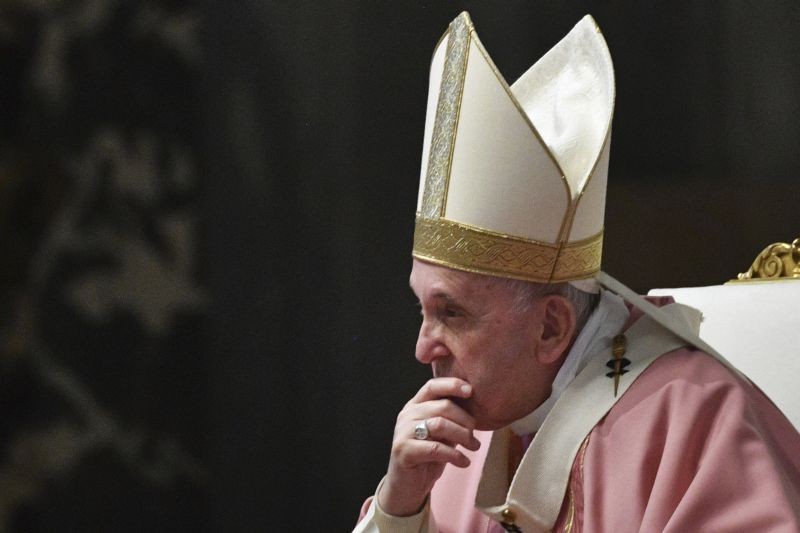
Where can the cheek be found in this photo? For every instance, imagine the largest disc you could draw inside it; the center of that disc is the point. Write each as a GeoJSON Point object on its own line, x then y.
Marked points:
{"type": "Point", "coordinates": [505, 371]}
{"type": "Point", "coordinates": [489, 380]}
{"type": "Point", "coordinates": [491, 362]}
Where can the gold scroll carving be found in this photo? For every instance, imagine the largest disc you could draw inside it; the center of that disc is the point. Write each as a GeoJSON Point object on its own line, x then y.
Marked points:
{"type": "Point", "coordinates": [777, 261]}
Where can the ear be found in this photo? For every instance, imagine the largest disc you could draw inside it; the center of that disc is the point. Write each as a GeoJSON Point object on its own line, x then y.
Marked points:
{"type": "Point", "coordinates": [557, 328]}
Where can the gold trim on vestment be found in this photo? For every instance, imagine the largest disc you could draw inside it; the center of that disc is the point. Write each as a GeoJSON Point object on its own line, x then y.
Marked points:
{"type": "Point", "coordinates": [570, 521]}
{"type": "Point", "coordinates": [472, 249]}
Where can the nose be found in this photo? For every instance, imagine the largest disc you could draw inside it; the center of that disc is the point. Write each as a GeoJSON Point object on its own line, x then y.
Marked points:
{"type": "Point", "coordinates": [430, 344]}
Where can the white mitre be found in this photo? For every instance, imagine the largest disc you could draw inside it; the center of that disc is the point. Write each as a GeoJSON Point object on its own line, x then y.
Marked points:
{"type": "Point", "coordinates": [513, 179]}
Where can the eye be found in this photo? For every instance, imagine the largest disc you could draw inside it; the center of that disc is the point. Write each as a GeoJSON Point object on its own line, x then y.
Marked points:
{"type": "Point", "coordinates": [451, 312]}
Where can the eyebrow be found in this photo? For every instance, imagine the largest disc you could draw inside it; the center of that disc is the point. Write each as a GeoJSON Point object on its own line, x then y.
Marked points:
{"type": "Point", "coordinates": [443, 295]}
{"type": "Point", "coordinates": [439, 293]}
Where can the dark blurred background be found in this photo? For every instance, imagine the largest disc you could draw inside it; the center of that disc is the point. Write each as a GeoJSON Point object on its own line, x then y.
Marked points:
{"type": "Point", "coordinates": [206, 214]}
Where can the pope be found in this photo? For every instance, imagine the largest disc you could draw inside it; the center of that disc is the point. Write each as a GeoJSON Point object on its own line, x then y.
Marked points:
{"type": "Point", "coordinates": [560, 400]}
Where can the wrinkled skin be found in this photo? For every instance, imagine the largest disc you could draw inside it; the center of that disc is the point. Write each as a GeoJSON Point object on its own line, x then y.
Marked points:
{"type": "Point", "coordinates": [492, 364]}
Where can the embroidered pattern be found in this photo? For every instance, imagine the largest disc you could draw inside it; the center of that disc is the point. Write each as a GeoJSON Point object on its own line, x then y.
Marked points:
{"type": "Point", "coordinates": [446, 122]}
{"type": "Point", "coordinates": [460, 246]}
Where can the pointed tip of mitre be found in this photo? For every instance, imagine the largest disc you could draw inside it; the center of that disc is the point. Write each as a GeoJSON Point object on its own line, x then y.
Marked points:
{"type": "Point", "coordinates": [580, 65]}
{"type": "Point", "coordinates": [525, 136]}
{"type": "Point", "coordinates": [602, 50]}
{"type": "Point", "coordinates": [464, 15]}
{"type": "Point", "coordinates": [588, 23]}
{"type": "Point", "coordinates": [462, 19]}
{"type": "Point", "coordinates": [588, 19]}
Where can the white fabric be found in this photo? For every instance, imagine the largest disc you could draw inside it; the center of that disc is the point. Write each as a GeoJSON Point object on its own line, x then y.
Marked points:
{"type": "Point", "coordinates": [685, 325]}
{"type": "Point", "coordinates": [569, 99]}
{"type": "Point", "coordinates": [586, 285]}
{"type": "Point", "coordinates": [502, 177]}
{"type": "Point", "coordinates": [755, 325]}
{"type": "Point", "coordinates": [525, 155]}
{"type": "Point", "coordinates": [604, 323]}
{"type": "Point", "coordinates": [377, 521]}
{"type": "Point", "coordinates": [593, 200]}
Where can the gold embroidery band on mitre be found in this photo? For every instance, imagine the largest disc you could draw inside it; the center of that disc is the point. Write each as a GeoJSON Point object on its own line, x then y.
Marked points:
{"type": "Point", "coordinates": [463, 247]}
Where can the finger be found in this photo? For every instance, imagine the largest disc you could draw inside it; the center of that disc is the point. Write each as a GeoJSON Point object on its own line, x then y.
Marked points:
{"type": "Point", "coordinates": [417, 452]}
{"type": "Point", "coordinates": [445, 408]}
{"type": "Point", "coordinates": [442, 429]}
{"type": "Point", "coordinates": [442, 387]}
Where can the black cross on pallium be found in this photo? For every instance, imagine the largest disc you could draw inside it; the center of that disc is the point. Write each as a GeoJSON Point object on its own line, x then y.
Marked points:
{"type": "Point", "coordinates": [511, 527]}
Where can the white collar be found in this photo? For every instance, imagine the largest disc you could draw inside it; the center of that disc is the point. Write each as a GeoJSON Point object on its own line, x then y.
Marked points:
{"type": "Point", "coordinates": [604, 323]}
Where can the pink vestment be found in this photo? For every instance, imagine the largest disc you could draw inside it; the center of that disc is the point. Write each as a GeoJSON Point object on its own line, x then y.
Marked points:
{"type": "Point", "coordinates": [689, 446]}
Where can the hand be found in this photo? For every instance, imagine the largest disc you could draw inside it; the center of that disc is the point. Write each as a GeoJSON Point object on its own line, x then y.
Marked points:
{"type": "Point", "coordinates": [414, 465]}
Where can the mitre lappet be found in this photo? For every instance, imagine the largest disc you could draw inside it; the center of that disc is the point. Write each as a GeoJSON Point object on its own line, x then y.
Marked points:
{"type": "Point", "coordinates": [513, 177]}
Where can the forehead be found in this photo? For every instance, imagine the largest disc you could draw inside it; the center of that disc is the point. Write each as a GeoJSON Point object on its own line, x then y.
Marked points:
{"type": "Point", "coordinates": [428, 280]}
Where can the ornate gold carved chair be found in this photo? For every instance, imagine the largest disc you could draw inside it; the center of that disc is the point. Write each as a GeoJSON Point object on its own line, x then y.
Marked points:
{"type": "Point", "coordinates": [754, 322]}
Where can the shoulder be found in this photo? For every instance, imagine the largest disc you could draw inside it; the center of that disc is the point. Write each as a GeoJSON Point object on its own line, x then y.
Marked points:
{"type": "Point", "coordinates": [689, 369]}
{"type": "Point", "coordinates": [689, 405]}
{"type": "Point", "coordinates": [689, 446]}
{"type": "Point", "coordinates": [685, 384]}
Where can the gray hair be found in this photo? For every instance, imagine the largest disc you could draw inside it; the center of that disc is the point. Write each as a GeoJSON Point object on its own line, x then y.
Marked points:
{"type": "Point", "coordinates": [526, 292]}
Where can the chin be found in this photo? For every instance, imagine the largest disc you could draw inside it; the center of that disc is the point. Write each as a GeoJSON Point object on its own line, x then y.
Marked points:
{"type": "Point", "coordinates": [488, 426]}
{"type": "Point", "coordinates": [483, 421]}
{"type": "Point", "coordinates": [465, 403]}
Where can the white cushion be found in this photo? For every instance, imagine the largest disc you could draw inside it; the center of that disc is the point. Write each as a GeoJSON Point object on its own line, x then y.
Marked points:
{"type": "Point", "coordinates": [755, 326]}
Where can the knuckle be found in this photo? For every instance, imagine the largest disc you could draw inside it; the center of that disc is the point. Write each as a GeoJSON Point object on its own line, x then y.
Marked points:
{"type": "Point", "coordinates": [436, 424]}
{"type": "Point", "coordinates": [442, 405]}
{"type": "Point", "coordinates": [434, 449]}
{"type": "Point", "coordinates": [402, 457]}
{"type": "Point", "coordinates": [428, 387]}
{"type": "Point", "coordinates": [397, 449]}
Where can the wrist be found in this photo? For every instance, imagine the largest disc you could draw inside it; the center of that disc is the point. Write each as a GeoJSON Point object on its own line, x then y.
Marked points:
{"type": "Point", "coordinates": [393, 502]}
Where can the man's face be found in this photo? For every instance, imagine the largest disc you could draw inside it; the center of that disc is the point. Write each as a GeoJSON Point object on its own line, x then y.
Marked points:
{"type": "Point", "coordinates": [471, 330]}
